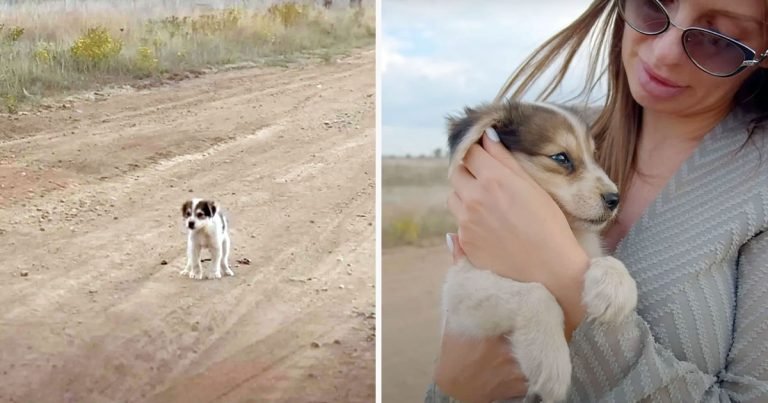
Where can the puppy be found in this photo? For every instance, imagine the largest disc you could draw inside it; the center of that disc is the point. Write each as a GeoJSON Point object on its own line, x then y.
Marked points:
{"type": "Point", "coordinates": [206, 228]}
{"type": "Point", "coordinates": [553, 146]}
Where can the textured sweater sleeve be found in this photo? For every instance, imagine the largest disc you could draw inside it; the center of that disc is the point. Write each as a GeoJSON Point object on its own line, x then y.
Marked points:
{"type": "Point", "coordinates": [434, 395]}
{"type": "Point", "coordinates": [624, 364]}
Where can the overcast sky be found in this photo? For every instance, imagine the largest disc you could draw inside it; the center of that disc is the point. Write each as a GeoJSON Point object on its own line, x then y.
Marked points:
{"type": "Point", "coordinates": [437, 56]}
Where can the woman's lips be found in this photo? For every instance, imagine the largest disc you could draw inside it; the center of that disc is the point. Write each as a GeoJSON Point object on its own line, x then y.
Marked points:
{"type": "Point", "coordinates": [655, 85]}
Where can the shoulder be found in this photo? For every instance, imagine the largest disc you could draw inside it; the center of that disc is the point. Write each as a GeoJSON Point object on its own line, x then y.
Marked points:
{"type": "Point", "coordinates": [729, 173]}
{"type": "Point", "coordinates": [752, 130]}
{"type": "Point", "coordinates": [755, 162]}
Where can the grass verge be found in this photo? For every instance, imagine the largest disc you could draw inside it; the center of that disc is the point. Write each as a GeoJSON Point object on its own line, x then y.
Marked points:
{"type": "Point", "coordinates": [45, 55]}
{"type": "Point", "coordinates": [416, 228]}
{"type": "Point", "coordinates": [414, 210]}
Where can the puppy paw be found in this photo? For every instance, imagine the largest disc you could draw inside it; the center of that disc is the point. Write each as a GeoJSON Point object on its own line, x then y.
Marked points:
{"type": "Point", "coordinates": [229, 272]}
{"type": "Point", "coordinates": [555, 389]}
{"type": "Point", "coordinates": [198, 276]}
{"type": "Point", "coordinates": [184, 272]}
{"type": "Point", "coordinates": [552, 379]}
{"type": "Point", "coordinates": [547, 365]}
{"type": "Point", "coordinates": [610, 293]}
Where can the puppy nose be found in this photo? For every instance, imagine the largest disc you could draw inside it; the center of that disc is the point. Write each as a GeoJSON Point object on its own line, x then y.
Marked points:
{"type": "Point", "coordinates": [611, 200]}
{"type": "Point", "coordinates": [191, 225]}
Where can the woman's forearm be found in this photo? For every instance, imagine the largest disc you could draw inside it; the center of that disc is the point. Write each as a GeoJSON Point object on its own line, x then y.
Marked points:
{"type": "Point", "coordinates": [567, 290]}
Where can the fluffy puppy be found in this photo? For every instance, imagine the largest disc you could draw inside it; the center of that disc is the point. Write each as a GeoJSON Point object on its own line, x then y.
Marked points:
{"type": "Point", "coordinates": [206, 228]}
{"type": "Point", "coordinates": [553, 146]}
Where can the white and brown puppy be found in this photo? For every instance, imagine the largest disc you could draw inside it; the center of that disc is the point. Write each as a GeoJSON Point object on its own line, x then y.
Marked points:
{"type": "Point", "coordinates": [553, 146]}
{"type": "Point", "coordinates": [206, 228]}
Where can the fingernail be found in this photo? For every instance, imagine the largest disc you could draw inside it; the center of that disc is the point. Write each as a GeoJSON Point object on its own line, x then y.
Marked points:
{"type": "Point", "coordinates": [449, 242]}
{"type": "Point", "coordinates": [491, 132]}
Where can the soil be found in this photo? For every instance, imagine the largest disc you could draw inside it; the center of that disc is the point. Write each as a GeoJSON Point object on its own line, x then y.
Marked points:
{"type": "Point", "coordinates": [92, 241]}
{"type": "Point", "coordinates": [411, 280]}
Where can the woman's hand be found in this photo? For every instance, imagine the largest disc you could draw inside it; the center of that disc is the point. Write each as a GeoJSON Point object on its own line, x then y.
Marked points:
{"type": "Point", "coordinates": [478, 370]}
{"type": "Point", "coordinates": [508, 224]}
{"type": "Point", "coordinates": [473, 370]}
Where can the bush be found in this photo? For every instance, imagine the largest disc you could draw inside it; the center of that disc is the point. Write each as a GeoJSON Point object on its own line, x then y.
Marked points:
{"type": "Point", "coordinates": [43, 53]}
{"type": "Point", "coordinates": [146, 62]}
{"type": "Point", "coordinates": [11, 104]}
{"type": "Point", "coordinates": [96, 46]}
{"type": "Point", "coordinates": [11, 34]}
{"type": "Point", "coordinates": [416, 227]}
{"type": "Point", "coordinates": [406, 230]}
{"type": "Point", "coordinates": [289, 14]}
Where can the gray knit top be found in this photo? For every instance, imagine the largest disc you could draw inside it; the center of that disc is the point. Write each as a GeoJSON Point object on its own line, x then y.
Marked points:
{"type": "Point", "coordinates": [699, 254]}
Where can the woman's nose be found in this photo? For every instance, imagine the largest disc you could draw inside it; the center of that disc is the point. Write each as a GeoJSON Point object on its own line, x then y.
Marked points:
{"type": "Point", "coordinates": [667, 48]}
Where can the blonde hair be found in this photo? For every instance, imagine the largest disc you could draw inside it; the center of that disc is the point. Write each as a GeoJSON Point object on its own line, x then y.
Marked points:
{"type": "Point", "coordinates": [616, 128]}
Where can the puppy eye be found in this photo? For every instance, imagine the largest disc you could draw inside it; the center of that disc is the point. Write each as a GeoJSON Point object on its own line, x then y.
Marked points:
{"type": "Point", "coordinates": [199, 215]}
{"type": "Point", "coordinates": [563, 159]}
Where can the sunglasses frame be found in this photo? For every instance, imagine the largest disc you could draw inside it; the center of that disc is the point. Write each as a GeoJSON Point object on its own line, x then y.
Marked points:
{"type": "Point", "coordinates": [749, 54]}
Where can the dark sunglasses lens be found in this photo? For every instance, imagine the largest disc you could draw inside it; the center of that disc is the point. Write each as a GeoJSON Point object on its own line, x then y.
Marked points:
{"type": "Point", "coordinates": [645, 16]}
{"type": "Point", "coordinates": [713, 53]}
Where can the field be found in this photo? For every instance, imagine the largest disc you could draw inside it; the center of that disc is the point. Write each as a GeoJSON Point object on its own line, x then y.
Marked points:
{"type": "Point", "coordinates": [414, 260]}
{"type": "Point", "coordinates": [414, 195]}
{"type": "Point", "coordinates": [91, 239]}
{"type": "Point", "coordinates": [60, 47]}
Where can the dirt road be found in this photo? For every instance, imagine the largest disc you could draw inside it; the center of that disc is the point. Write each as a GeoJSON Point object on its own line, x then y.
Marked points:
{"type": "Point", "coordinates": [90, 200]}
{"type": "Point", "coordinates": [410, 313]}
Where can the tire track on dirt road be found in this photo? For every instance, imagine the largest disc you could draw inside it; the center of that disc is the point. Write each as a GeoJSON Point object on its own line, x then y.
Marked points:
{"type": "Point", "coordinates": [186, 96]}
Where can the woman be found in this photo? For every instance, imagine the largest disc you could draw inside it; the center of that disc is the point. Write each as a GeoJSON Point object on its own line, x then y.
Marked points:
{"type": "Point", "coordinates": [683, 135]}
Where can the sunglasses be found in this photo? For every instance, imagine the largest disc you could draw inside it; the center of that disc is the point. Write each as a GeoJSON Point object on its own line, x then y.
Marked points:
{"type": "Point", "coordinates": [710, 51]}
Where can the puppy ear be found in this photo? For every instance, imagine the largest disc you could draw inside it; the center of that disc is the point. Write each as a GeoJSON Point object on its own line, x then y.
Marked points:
{"type": "Point", "coordinates": [509, 124]}
{"type": "Point", "coordinates": [208, 207]}
{"type": "Point", "coordinates": [458, 128]}
{"type": "Point", "coordinates": [468, 129]}
{"type": "Point", "coordinates": [186, 207]}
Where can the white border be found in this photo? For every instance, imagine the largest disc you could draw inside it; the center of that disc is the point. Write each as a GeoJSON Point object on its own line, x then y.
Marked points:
{"type": "Point", "coordinates": [378, 201]}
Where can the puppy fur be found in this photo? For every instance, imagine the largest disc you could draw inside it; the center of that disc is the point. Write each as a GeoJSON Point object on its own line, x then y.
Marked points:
{"type": "Point", "coordinates": [553, 146]}
{"type": "Point", "coordinates": [206, 228]}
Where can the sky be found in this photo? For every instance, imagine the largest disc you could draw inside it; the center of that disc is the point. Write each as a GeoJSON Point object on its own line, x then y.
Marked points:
{"type": "Point", "coordinates": [439, 56]}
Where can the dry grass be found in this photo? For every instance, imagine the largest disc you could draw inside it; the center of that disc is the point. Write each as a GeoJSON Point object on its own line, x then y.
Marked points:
{"type": "Point", "coordinates": [414, 193]}
{"type": "Point", "coordinates": [44, 53]}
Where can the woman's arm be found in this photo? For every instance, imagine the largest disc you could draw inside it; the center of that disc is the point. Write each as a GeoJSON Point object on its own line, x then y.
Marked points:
{"type": "Point", "coordinates": [474, 370]}
{"type": "Point", "coordinates": [625, 364]}
{"type": "Point", "coordinates": [490, 191]}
